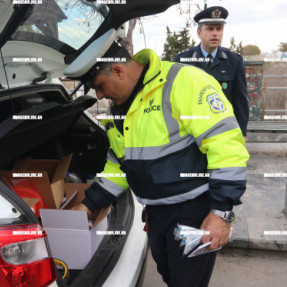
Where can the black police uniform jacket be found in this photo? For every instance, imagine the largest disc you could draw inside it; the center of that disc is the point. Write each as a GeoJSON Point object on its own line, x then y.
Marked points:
{"type": "Point", "coordinates": [228, 69]}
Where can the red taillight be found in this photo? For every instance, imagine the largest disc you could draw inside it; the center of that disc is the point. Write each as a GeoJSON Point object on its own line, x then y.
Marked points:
{"type": "Point", "coordinates": [37, 274]}
{"type": "Point", "coordinates": [24, 259]}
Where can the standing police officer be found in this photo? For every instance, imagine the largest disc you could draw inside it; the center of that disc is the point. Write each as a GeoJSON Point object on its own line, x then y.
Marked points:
{"type": "Point", "coordinates": [225, 66]}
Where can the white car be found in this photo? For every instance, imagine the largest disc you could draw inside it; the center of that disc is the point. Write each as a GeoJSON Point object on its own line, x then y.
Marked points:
{"type": "Point", "coordinates": [40, 120]}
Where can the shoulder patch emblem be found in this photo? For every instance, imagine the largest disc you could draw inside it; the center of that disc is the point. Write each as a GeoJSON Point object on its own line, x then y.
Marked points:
{"type": "Point", "coordinates": [215, 103]}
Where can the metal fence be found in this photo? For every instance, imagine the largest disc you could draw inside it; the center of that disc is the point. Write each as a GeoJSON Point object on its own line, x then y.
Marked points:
{"type": "Point", "coordinates": [265, 110]}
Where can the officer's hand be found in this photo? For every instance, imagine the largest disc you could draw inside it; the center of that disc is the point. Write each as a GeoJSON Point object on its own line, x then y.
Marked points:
{"type": "Point", "coordinates": [82, 207]}
{"type": "Point", "coordinates": [218, 229]}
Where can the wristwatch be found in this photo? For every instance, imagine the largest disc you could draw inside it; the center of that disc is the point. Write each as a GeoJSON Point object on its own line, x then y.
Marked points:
{"type": "Point", "coordinates": [228, 216]}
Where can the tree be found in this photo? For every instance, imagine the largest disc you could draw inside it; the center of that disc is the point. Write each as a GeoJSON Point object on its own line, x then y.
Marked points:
{"type": "Point", "coordinates": [235, 48]}
{"type": "Point", "coordinates": [175, 43]}
{"type": "Point", "coordinates": [251, 50]}
{"type": "Point", "coordinates": [239, 48]}
{"type": "Point", "coordinates": [188, 9]}
{"type": "Point", "coordinates": [283, 47]}
{"type": "Point", "coordinates": [127, 42]}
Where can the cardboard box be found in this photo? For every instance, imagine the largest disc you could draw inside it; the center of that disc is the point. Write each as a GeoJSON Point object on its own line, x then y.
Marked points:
{"type": "Point", "coordinates": [49, 181]}
{"type": "Point", "coordinates": [69, 235]}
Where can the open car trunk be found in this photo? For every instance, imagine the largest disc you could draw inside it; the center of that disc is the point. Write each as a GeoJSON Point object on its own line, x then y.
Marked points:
{"type": "Point", "coordinates": [54, 128]}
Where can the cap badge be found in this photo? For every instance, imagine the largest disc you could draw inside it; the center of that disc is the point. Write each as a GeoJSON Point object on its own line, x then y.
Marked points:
{"type": "Point", "coordinates": [216, 13]}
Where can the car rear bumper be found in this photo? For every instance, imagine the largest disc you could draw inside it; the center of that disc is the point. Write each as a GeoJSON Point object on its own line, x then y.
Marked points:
{"type": "Point", "coordinates": [130, 264]}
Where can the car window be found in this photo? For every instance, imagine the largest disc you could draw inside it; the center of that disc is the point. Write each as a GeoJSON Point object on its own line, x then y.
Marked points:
{"type": "Point", "coordinates": [61, 24]}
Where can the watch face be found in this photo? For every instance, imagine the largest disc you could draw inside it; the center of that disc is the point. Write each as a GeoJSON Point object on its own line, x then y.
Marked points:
{"type": "Point", "coordinates": [230, 216]}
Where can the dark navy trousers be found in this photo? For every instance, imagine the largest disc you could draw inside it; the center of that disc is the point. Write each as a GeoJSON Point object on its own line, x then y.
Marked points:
{"type": "Point", "coordinates": [178, 270]}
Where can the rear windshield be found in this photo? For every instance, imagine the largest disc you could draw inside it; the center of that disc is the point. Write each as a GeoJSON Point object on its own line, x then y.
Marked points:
{"type": "Point", "coordinates": [65, 25]}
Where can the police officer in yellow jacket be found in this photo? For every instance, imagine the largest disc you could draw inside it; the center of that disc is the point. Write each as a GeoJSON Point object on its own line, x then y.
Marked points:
{"type": "Point", "coordinates": [181, 149]}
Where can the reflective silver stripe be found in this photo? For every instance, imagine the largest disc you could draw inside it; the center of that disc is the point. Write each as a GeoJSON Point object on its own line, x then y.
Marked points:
{"type": "Point", "coordinates": [206, 20]}
{"type": "Point", "coordinates": [111, 157]}
{"type": "Point", "coordinates": [176, 142]}
{"type": "Point", "coordinates": [109, 186]}
{"type": "Point", "coordinates": [154, 152]}
{"type": "Point", "coordinates": [229, 173]}
{"type": "Point", "coordinates": [171, 123]}
{"type": "Point", "coordinates": [176, 198]}
{"type": "Point", "coordinates": [224, 125]}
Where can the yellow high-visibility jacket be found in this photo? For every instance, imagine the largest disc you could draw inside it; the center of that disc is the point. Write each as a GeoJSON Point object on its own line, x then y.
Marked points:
{"type": "Point", "coordinates": [180, 139]}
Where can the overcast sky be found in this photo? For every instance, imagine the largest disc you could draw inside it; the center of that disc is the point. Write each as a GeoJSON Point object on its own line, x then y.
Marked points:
{"type": "Point", "coordinates": [257, 22]}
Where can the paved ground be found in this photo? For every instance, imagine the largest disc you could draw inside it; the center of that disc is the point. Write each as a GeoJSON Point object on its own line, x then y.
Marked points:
{"type": "Point", "coordinates": [237, 268]}
{"type": "Point", "coordinates": [152, 277]}
{"type": "Point", "coordinates": [247, 268]}
{"type": "Point", "coordinates": [264, 199]}
{"type": "Point", "coordinates": [261, 211]}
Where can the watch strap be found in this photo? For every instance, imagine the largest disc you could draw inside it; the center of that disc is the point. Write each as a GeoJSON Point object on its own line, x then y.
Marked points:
{"type": "Point", "coordinates": [224, 214]}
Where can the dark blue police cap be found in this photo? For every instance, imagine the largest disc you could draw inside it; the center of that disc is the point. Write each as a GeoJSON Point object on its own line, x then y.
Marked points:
{"type": "Point", "coordinates": [211, 15]}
